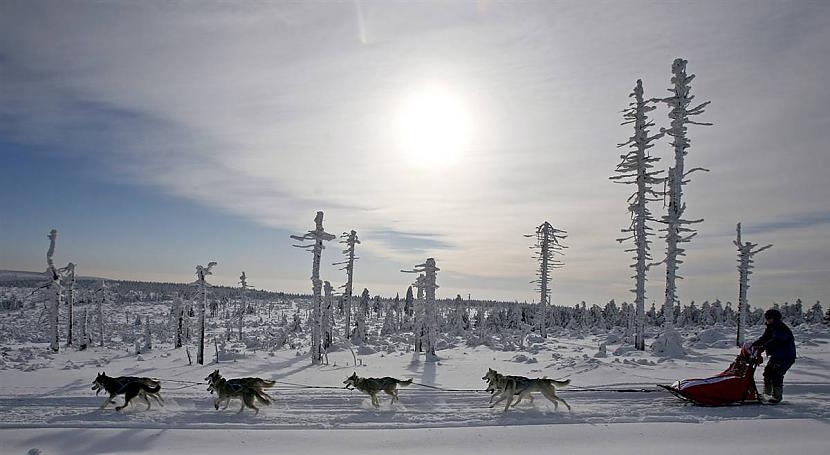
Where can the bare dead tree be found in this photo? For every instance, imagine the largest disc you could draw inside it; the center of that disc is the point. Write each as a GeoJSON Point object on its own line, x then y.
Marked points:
{"type": "Point", "coordinates": [678, 229]}
{"type": "Point", "coordinates": [546, 247]}
{"type": "Point", "coordinates": [635, 168]}
{"type": "Point", "coordinates": [350, 240]}
{"type": "Point", "coordinates": [55, 290]}
{"type": "Point", "coordinates": [202, 285]}
{"type": "Point", "coordinates": [746, 252]}
{"type": "Point", "coordinates": [68, 275]}
{"type": "Point", "coordinates": [318, 236]}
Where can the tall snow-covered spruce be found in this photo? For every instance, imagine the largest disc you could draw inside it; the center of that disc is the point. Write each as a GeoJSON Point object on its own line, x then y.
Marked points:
{"type": "Point", "coordinates": [746, 252]}
{"type": "Point", "coordinates": [547, 246]}
{"type": "Point", "coordinates": [318, 236]}
{"type": "Point", "coordinates": [429, 324]}
{"type": "Point", "coordinates": [202, 285]}
{"type": "Point", "coordinates": [678, 229]}
{"type": "Point", "coordinates": [350, 240]}
{"type": "Point", "coordinates": [636, 169]}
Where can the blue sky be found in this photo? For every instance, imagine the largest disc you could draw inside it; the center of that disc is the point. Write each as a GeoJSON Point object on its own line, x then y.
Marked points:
{"type": "Point", "coordinates": [157, 135]}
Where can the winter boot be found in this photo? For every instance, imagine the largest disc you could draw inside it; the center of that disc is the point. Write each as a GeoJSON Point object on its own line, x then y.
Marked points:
{"type": "Point", "coordinates": [767, 387]}
{"type": "Point", "coordinates": [777, 394]}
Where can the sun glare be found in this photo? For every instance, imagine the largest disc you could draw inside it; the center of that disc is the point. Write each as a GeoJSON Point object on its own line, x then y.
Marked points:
{"type": "Point", "coordinates": [433, 127]}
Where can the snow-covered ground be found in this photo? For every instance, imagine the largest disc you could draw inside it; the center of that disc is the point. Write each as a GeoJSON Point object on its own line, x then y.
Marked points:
{"type": "Point", "coordinates": [52, 408]}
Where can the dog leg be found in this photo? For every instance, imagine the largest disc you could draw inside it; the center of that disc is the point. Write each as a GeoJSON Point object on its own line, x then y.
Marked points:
{"type": "Point", "coordinates": [522, 395]}
{"type": "Point", "coordinates": [144, 397]}
{"type": "Point", "coordinates": [248, 400]}
{"type": "Point", "coordinates": [509, 399]}
{"type": "Point", "coordinates": [107, 401]}
{"type": "Point", "coordinates": [506, 394]}
{"type": "Point", "coordinates": [375, 402]}
{"type": "Point", "coordinates": [566, 404]}
{"type": "Point", "coordinates": [502, 397]}
{"type": "Point", "coordinates": [393, 394]}
{"type": "Point", "coordinates": [550, 394]}
{"type": "Point", "coordinates": [129, 395]}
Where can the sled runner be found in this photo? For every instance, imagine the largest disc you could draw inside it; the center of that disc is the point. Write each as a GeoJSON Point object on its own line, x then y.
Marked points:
{"type": "Point", "coordinates": [735, 385]}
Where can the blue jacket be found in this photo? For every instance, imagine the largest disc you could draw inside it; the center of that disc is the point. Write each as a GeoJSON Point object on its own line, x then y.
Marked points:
{"type": "Point", "coordinates": [778, 342]}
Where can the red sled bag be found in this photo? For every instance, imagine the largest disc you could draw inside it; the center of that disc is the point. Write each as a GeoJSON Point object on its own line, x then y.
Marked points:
{"type": "Point", "coordinates": [735, 385]}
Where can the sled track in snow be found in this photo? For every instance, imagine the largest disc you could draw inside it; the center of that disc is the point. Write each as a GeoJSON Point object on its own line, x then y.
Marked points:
{"type": "Point", "coordinates": [419, 408]}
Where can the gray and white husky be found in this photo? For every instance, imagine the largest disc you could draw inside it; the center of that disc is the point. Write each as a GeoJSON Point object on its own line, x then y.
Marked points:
{"type": "Point", "coordinates": [248, 390]}
{"type": "Point", "coordinates": [372, 386]}
{"type": "Point", "coordinates": [506, 387]}
{"type": "Point", "coordinates": [129, 386]}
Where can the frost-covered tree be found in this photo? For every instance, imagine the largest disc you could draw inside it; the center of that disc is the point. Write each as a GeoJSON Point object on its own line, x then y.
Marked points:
{"type": "Point", "coordinates": [103, 299]}
{"type": "Point", "coordinates": [317, 236]}
{"type": "Point", "coordinates": [68, 274]}
{"type": "Point", "coordinates": [430, 319]}
{"type": "Point", "coordinates": [409, 300]}
{"type": "Point", "coordinates": [396, 307]}
{"type": "Point", "coordinates": [457, 316]}
{"type": "Point", "coordinates": [202, 286]}
{"type": "Point", "coordinates": [389, 326]}
{"type": "Point", "coordinates": [327, 318]}
{"type": "Point", "coordinates": [814, 316]}
{"type": "Point", "coordinates": [418, 328]}
{"type": "Point", "coordinates": [84, 339]}
{"type": "Point", "coordinates": [148, 336]}
{"type": "Point", "coordinates": [54, 293]}
{"type": "Point", "coordinates": [377, 306]}
{"type": "Point", "coordinates": [178, 315]}
{"type": "Point", "coordinates": [678, 229]}
{"type": "Point", "coordinates": [636, 169]}
{"type": "Point", "coordinates": [746, 252]}
{"type": "Point", "coordinates": [359, 333]}
{"type": "Point", "coordinates": [547, 246]}
{"type": "Point", "coordinates": [350, 240]}
{"type": "Point", "coordinates": [243, 304]}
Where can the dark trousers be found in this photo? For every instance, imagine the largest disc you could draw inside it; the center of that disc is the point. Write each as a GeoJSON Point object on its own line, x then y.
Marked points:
{"type": "Point", "coordinates": [774, 372]}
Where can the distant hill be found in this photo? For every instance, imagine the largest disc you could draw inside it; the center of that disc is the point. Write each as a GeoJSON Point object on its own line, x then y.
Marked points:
{"type": "Point", "coordinates": [141, 289]}
{"type": "Point", "coordinates": [17, 275]}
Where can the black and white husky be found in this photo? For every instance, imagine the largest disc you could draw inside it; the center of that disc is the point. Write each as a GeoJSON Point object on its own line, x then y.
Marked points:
{"type": "Point", "coordinates": [373, 386]}
{"type": "Point", "coordinates": [130, 387]}
{"type": "Point", "coordinates": [506, 387]}
{"type": "Point", "coordinates": [248, 390]}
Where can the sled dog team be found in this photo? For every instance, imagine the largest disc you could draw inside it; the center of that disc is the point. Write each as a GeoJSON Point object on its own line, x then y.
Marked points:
{"type": "Point", "coordinates": [252, 390]}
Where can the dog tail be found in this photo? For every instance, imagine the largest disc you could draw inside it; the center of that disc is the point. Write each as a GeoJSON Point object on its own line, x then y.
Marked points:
{"type": "Point", "coordinates": [267, 384]}
{"type": "Point", "coordinates": [405, 383]}
{"type": "Point", "coordinates": [261, 398]}
{"type": "Point", "coordinates": [560, 383]}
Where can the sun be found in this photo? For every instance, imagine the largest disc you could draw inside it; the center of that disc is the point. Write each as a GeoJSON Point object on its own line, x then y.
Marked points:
{"type": "Point", "coordinates": [433, 127]}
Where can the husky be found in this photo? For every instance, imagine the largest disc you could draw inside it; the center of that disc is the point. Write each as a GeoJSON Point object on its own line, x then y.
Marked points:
{"type": "Point", "coordinates": [130, 387]}
{"type": "Point", "coordinates": [505, 387]}
{"type": "Point", "coordinates": [249, 390]}
{"type": "Point", "coordinates": [372, 386]}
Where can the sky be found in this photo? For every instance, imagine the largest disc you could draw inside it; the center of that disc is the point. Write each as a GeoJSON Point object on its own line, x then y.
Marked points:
{"type": "Point", "coordinates": [155, 136]}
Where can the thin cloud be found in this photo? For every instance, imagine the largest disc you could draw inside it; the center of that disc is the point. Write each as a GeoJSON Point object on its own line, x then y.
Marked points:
{"type": "Point", "coordinates": [274, 112]}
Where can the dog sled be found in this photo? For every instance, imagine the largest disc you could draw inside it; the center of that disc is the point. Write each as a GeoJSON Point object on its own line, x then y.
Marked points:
{"type": "Point", "coordinates": [735, 385]}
